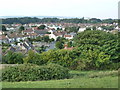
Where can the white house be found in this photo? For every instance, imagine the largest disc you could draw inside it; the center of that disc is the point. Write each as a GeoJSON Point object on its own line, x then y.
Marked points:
{"type": "Point", "coordinates": [99, 28]}
{"type": "Point", "coordinates": [53, 36]}
{"type": "Point", "coordinates": [81, 29]}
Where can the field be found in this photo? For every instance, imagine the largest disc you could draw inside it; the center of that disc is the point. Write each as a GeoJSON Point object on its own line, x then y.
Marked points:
{"type": "Point", "coordinates": [79, 79]}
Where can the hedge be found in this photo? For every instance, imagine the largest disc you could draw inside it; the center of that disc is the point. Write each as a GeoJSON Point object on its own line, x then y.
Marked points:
{"type": "Point", "coordinates": [30, 72]}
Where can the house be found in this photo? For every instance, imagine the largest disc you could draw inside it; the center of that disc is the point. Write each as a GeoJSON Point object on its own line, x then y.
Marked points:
{"type": "Point", "coordinates": [99, 28]}
{"type": "Point", "coordinates": [3, 39]}
{"type": "Point", "coordinates": [22, 47]}
{"type": "Point", "coordinates": [52, 31]}
{"type": "Point", "coordinates": [28, 31]}
{"type": "Point", "coordinates": [31, 35]}
{"type": "Point", "coordinates": [57, 34]}
{"type": "Point", "coordinates": [15, 37]}
{"type": "Point", "coordinates": [41, 32]}
{"type": "Point", "coordinates": [81, 29]}
{"type": "Point", "coordinates": [70, 35]}
{"type": "Point", "coordinates": [25, 45]}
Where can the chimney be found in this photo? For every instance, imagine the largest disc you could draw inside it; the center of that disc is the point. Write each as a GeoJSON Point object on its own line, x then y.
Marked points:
{"type": "Point", "coordinates": [65, 46]}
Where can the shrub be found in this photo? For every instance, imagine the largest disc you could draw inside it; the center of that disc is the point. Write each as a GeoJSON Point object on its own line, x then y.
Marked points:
{"type": "Point", "coordinates": [13, 58]}
{"type": "Point", "coordinates": [33, 58]}
{"type": "Point", "coordinates": [65, 58]}
{"type": "Point", "coordinates": [30, 72]}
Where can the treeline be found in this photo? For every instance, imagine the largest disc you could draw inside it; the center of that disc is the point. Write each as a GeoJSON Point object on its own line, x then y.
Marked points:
{"type": "Point", "coordinates": [26, 20]}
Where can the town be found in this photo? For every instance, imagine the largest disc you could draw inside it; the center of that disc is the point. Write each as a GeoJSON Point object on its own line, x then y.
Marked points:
{"type": "Point", "coordinates": [44, 36]}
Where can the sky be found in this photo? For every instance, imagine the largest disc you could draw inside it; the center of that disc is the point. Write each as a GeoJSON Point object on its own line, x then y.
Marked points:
{"type": "Point", "coordinates": [71, 8]}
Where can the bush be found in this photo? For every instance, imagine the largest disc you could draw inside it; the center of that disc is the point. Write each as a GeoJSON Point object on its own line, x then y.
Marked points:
{"type": "Point", "coordinates": [33, 58]}
{"type": "Point", "coordinates": [65, 58]}
{"type": "Point", "coordinates": [12, 58]}
{"type": "Point", "coordinates": [30, 72]}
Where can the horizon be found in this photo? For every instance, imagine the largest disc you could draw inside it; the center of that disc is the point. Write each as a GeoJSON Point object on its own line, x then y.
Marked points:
{"type": "Point", "coordinates": [64, 8]}
{"type": "Point", "coordinates": [59, 17]}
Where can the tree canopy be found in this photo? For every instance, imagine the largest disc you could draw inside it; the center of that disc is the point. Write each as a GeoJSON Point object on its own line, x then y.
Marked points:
{"type": "Point", "coordinates": [26, 20]}
{"type": "Point", "coordinates": [103, 41]}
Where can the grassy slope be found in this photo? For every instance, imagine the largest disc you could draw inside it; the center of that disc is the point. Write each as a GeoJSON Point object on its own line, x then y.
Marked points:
{"type": "Point", "coordinates": [80, 80]}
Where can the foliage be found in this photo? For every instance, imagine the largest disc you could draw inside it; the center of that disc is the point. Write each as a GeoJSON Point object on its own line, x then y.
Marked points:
{"type": "Point", "coordinates": [21, 28]}
{"type": "Point", "coordinates": [93, 60]}
{"type": "Point", "coordinates": [12, 58]}
{"type": "Point", "coordinates": [26, 20]}
{"type": "Point", "coordinates": [60, 42]}
{"type": "Point", "coordinates": [70, 44]}
{"type": "Point", "coordinates": [80, 79]}
{"type": "Point", "coordinates": [97, 49]}
{"type": "Point", "coordinates": [33, 58]}
{"type": "Point", "coordinates": [59, 45]}
{"type": "Point", "coordinates": [41, 27]}
{"type": "Point", "coordinates": [72, 29]}
{"type": "Point", "coordinates": [62, 57]}
{"type": "Point", "coordinates": [29, 72]}
{"type": "Point", "coordinates": [45, 39]}
{"type": "Point", "coordinates": [3, 28]}
{"type": "Point", "coordinates": [103, 41]}
{"type": "Point", "coordinates": [62, 39]}
{"type": "Point", "coordinates": [108, 27]}
{"type": "Point", "coordinates": [110, 21]}
{"type": "Point", "coordinates": [41, 49]}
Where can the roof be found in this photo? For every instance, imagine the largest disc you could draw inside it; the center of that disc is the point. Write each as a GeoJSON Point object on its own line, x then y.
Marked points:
{"type": "Point", "coordinates": [27, 47]}
{"type": "Point", "coordinates": [59, 33]}
{"type": "Point", "coordinates": [28, 30]}
{"type": "Point", "coordinates": [41, 31]}
{"type": "Point", "coordinates": [32, 34]}
{"type": "Point", "coordinates": [3, 37]}
{"type": "Point", "coordinates": [71, 48]}
{"type": "Point", "coordinates": [47, 34]}
{"type": "Point", "coordinates": [67, 35]}
{"type": "Point", "coordinates": [15, 35]}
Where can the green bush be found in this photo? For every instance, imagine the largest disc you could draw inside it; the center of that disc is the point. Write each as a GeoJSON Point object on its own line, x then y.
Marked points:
{"type": "Point", "coordinates": [30, 72]}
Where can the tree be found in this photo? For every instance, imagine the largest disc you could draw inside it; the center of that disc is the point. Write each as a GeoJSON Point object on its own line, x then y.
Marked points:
{"type": "Point", "coordinates": [59, 45]}
{"type": "Point", "coordinates": [21, 28]}
{"type": "Point", "coordinates": [93, 60]}
{"type": "Point", "coordinates": [69, 44]}
{"type": "Point", "coordinates": [62, 57]}
{"type": "Point", "coordinates": [46, 39]}
{"type": "Point", "coordinates": [13, 58]}
{"type": "Point", "coordinates": [41, 27]}
{"type": "Point", "coordinates": [72, 29]}
{"type": "Point", "coordinates": [33, 58]}
{"type": "Point", "coordinates": [103, 41]}
{"type": "Point", "coordinates": [41, 49]}
{"type": "Point", "coordinates": [3, 28]}
{"type": "Point", "coordinates": [88, 28]}
{"type": "Point", "coordinates": [94, 28]}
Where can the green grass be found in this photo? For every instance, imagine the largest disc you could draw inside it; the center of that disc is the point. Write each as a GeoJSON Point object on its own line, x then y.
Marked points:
{"type": "Point", "coordinates": [80, 79]}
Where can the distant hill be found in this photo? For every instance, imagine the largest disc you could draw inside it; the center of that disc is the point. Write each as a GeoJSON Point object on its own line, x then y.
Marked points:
{"type": "Point", "coordinates": [52, 19]}
{"type": "Point", "coordinates": [60, 17]}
